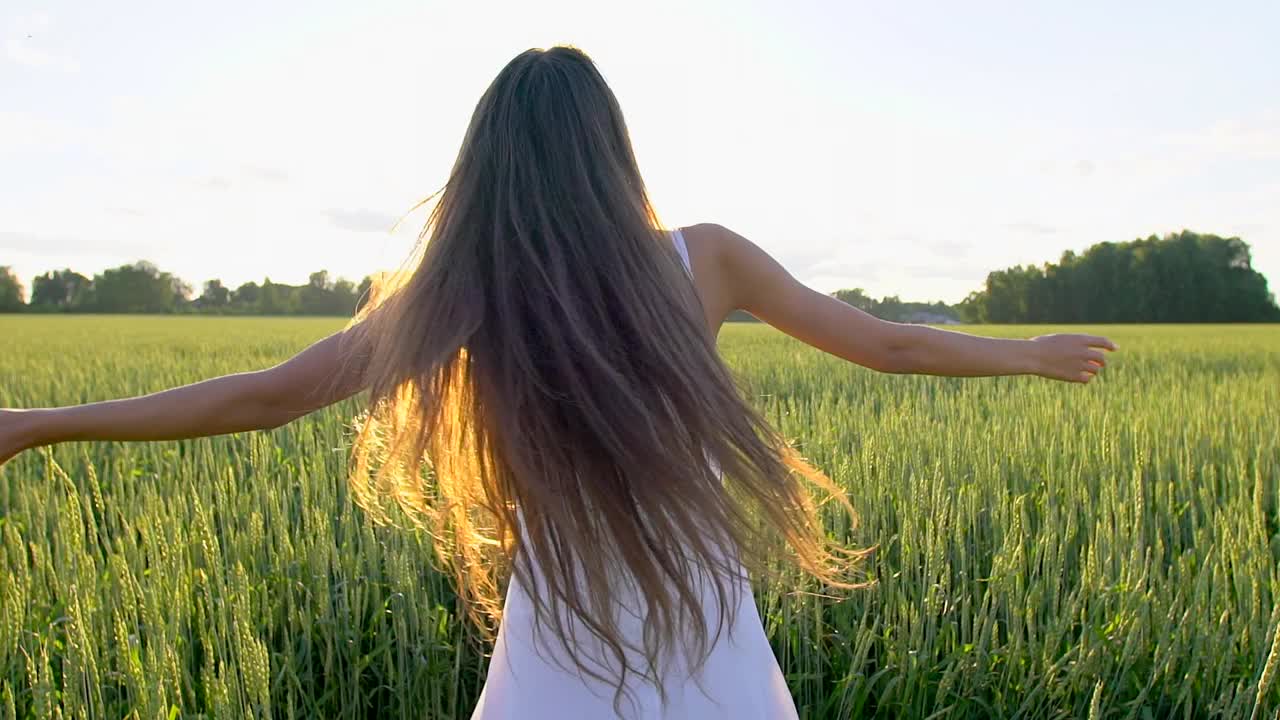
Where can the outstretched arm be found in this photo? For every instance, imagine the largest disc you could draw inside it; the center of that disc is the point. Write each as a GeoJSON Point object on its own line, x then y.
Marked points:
{"type": "Point", "coordinates": [762, 287]}
{"type": "Point", "coordinates": [324, 373]}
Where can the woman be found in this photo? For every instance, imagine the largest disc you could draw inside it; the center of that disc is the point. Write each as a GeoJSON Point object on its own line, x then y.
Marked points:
{"type": "Point", "coordinates": [551, 357]}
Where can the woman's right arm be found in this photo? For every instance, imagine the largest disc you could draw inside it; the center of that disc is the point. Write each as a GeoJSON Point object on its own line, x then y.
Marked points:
{"type": "Point", "coordinates": [755, 282]}
{"type": "Point", "coordinates": [327, 371]}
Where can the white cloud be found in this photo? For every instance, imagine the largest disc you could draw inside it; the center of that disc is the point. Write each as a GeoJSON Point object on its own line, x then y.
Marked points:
{"type": "Point", "coordinates": [213, 183]}
{"type": "Point", "coordinates": [360, 220]}
{"type": "Point", "coordinates": [26, 53]}
{"type": "Point", "coordinates": [20, 130]}
{"type": "Point", "coordinates": [24, 45]}
{"type": "Point", "coordinates": [1252, 137]}
{"type": "Point", "coordinates": [266, 174]}
{"type": "Point", "coordinates": [68, 245]}
{"type": "Point", "coordinates": [1027, 227]}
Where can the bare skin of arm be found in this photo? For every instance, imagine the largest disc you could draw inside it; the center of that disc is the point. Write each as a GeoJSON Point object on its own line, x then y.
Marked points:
{"type": "Point", "coordinates": [733, 273]}
{"type": "Point", "coordinates": [259, 400]}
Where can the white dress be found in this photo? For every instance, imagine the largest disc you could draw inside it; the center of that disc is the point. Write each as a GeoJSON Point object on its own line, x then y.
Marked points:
{"type": "Point", "coordinates": [740, 680]}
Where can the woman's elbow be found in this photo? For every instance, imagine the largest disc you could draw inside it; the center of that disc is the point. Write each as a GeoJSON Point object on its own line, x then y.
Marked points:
{"type": "Point", "coordinates": [895, 361]}
{"type": "Point", "coordinates": [899, 350]}
{"type": "Point", "coordinates": [269, 404]}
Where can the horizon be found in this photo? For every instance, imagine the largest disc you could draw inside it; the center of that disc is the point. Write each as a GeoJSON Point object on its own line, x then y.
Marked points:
{"type": "Point", "coordinates": [196, 288]}
{"type": "Point", "coordinates": [902, 152]}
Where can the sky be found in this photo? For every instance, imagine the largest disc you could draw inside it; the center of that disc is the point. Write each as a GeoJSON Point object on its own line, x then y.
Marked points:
{"type": "Point", "coordinates": [904, 148]}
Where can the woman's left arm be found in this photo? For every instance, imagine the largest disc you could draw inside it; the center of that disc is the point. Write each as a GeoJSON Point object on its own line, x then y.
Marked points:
{"type": "Point", "coordinates": [329, 370]}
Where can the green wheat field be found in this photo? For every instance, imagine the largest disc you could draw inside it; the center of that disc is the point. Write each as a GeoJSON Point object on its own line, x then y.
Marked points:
{"type": "Point", "coordinates": [1045, 550]}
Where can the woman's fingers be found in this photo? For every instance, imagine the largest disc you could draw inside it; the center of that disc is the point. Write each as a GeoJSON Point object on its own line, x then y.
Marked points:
{"type": "Point", "coordinates": [1100, 341]}
{"type": "Point", "coordinates": [1090, 367]}
{"type": "Point", "coordinates": [1079, 357]}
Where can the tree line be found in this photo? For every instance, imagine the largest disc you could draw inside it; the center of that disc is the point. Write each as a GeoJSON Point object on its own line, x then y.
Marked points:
{"type": "Point", "coordinates": [1182, 277]}
{"type": "Point", "coordinates": [143, 288]}
{"type": "Point", "coordinates": [892, 308]}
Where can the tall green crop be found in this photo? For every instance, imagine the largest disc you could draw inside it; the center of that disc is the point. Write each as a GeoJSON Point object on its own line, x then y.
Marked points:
{"type": "Point", "coordinates": [1043, 549]}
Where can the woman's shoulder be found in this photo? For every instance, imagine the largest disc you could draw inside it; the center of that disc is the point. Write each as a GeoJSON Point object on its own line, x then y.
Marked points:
{"type": "Point", "coordinates": [716, 245]}
{"type": "Point", "coordinates": [733, 273]}
{"type": "Point", "coordinates": [707, 240]}
{"type": "Point", "coordinates": [711, 249]}
{"type": "Point", "coordinates": [703, 230]}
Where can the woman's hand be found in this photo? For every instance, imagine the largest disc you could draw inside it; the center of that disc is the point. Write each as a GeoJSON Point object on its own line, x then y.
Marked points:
{"type": "Point", "coordinates": [15, 433]}
{"type": "Point", "coordinates": [1069, 357]}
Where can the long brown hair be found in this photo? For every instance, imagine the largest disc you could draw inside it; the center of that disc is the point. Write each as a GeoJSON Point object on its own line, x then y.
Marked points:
{"type": "Point", "coordinates": [544, 353]}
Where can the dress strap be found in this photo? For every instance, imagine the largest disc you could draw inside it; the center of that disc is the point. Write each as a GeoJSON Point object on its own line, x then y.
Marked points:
{"type": "Point", "coordinates": [677, 237]}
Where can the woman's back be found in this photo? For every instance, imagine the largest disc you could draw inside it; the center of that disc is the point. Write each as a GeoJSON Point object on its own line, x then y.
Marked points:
{"type": "Point", "coordinates": [531, 676]}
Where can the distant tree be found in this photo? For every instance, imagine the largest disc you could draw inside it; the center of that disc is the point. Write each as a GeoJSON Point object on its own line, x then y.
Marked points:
{"type": "Point", "coordinates": [137, 288]}
{"type": "Point", "coordinates": [181, 290]}
{"type": "Point", "coordinates": [973, 308]}
{"type": "Point", "coordinates": [13, 296]}
{"type": "Point", "coordinates": [856, 297]}
{"type": "Point", "coordinates": [344, 293]}
{"type": "Point", "coordinates": [245, 298]}
{"type": "Point", "coordinates": [893, 308]}
{"type": "Point", "coordinates": [269, 299]}
{"type": "Point", "coordinates": [215, 295]}
{"type": "Point", "coordinates": [321, 296]}
{"type": "Point", "coordinates": [60, 290]}
{"type": "Point", "coordinates": [277, 299]}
